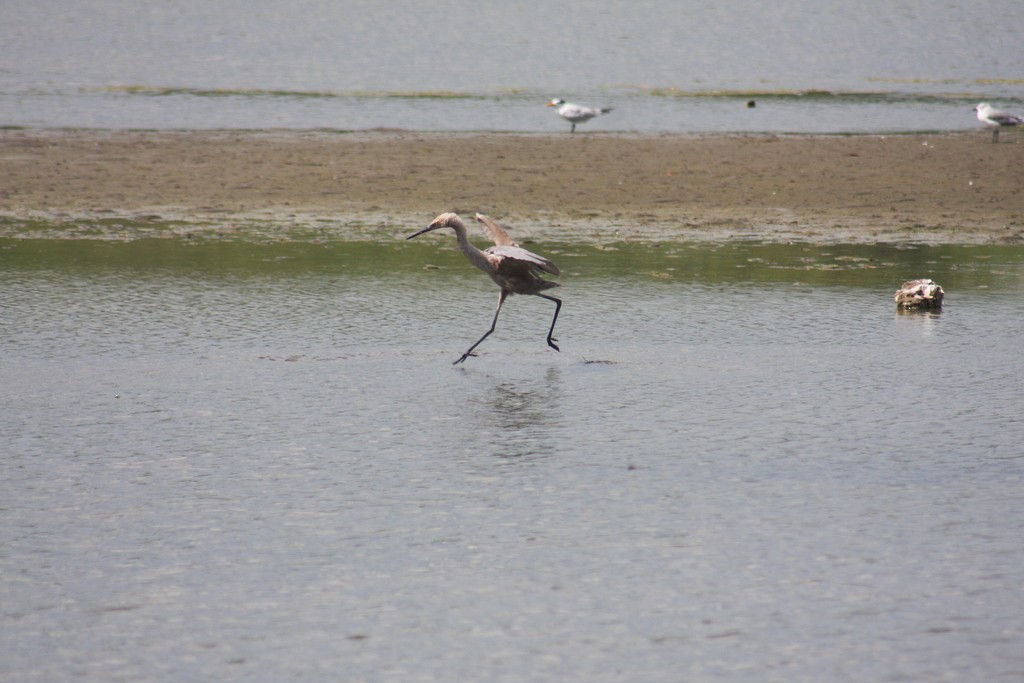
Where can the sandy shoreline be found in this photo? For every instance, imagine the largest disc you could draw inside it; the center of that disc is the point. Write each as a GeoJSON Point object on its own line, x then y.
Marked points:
{"type": "Point", "coordinates": [952, 188]}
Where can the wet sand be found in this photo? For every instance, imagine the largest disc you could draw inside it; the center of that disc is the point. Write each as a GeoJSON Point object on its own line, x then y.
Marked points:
{"type": "Point", "coordinates": [954, 188]}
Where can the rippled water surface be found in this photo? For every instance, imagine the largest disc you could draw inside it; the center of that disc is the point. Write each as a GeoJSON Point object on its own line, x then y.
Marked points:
{"type": "Point", "coordinates": [228, 461]}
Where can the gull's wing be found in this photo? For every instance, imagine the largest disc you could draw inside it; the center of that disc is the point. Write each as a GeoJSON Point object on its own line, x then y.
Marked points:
{"type": "Point", "coordinates": [521, 255]}
{"type": "Point", "coordinates": [574, 112]}
{"type": "Point", "coordinates": [494, 231]}
{"type": "Point", "coordinates": [1004, 118]}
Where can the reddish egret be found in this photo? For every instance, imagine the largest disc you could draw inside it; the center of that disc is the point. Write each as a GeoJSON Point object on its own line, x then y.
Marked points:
{"type": "Point", "coordinates": [574, 113]}
{"type": "Point", "coordinates": [514, 269]}
{"type": "Point", "coordinates": [996, 119]}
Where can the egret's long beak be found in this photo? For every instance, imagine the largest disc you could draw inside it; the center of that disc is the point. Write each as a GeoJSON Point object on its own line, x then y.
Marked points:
{"type": "Point", "coordinates": [426, 229]}
{"type": "Point", "coordinates": [549, 104]}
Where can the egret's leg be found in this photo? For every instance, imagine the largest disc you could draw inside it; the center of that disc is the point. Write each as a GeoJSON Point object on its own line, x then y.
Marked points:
{"type": "Point", "coordinates": [469, 352]}
{"type": "Point", "coordinates": [558, 307]}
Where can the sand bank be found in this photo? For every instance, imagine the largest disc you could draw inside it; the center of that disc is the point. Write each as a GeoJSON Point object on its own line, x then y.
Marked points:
{"type": "Point", "coordinates": [920, 188]}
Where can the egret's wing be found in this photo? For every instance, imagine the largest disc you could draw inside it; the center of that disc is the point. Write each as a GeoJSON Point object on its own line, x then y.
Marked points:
{"type": "Point", "coordinates": [494, 231]}
{"type": "Point", "coordinates": [523, 256]}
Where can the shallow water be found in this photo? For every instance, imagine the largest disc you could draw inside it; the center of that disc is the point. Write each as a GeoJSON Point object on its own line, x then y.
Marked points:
{"type": "Point", "coordinates": [236, 461]}
{"type": "Point", "coordinates": [876, 66]}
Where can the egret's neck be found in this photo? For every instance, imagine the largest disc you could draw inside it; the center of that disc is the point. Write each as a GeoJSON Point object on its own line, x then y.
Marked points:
{"type": "Point", "coordinates": [475, 256]}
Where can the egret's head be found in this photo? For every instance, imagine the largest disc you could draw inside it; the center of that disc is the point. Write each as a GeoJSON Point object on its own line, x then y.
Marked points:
{"type": "Point", "coordinates": [445, 220]}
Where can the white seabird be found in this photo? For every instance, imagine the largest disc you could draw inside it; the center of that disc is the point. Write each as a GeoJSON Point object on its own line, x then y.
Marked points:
{"type": "Point", "coordinates": [996, 119]}
{"type": "Point", "coordinates": [574, 113]}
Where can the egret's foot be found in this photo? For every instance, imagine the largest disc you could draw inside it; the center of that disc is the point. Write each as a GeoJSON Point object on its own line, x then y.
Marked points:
{"type": "Point", "coordinates": [466, 355]}
{"type": "Point", "coordinates": [552, 344]}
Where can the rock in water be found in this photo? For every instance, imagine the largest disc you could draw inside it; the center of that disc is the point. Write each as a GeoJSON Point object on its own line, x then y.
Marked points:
{"type": "Point", "coordinates": [919, 294]}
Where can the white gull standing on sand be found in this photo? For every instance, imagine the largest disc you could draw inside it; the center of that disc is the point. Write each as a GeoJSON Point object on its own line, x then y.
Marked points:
{"type": "Point", "coordinates": [574, 113]}
{"type": "Point", "coordinates": [996, 119]}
